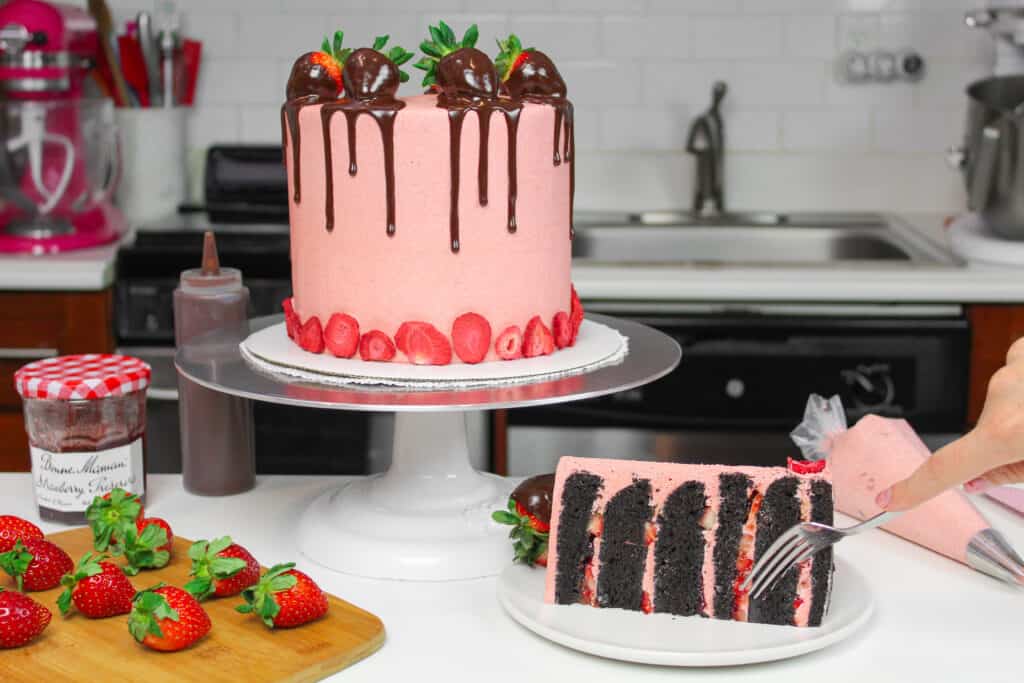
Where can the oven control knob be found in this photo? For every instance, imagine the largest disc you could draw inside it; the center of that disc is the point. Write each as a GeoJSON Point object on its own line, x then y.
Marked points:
{"type": "Point", "coordinates": [871, 386]}
{"type": "Point", "coordinates": [735, 388]}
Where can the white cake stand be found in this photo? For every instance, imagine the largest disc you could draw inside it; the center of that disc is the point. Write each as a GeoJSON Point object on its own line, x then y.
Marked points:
{"type": "Point", "coordinates": [428, 517]}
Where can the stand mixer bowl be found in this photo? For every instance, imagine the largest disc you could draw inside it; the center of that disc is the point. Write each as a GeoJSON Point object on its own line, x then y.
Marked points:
{"type": "Point", "coordinates": [59, 162]}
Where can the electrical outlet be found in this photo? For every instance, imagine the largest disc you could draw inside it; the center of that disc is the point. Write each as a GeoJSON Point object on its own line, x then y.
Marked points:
{"type": "Point", "coordinates": [879, 66]}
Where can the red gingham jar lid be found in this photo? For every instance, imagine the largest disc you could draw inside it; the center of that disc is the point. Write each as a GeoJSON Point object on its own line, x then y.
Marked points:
{"type": "Point", "coordinates": [82, 378]}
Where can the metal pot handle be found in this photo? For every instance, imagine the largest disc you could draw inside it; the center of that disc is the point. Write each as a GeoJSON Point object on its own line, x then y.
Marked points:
{"type": "Point", "coordinates": [983, 169]}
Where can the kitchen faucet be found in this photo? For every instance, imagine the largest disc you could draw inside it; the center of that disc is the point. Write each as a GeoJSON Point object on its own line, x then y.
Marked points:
{"type": "Point", "coordinates": [706, 141]}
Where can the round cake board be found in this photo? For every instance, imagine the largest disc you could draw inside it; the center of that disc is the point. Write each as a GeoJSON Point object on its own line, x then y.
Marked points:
{"type": "Point", "coordinates": [270, 349]}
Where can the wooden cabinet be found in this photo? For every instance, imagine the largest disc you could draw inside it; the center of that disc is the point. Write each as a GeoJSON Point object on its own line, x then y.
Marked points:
{"type": "Point", "coordinates": [993, 329]}
{"type": "Point", "coordinates": [39, 324]}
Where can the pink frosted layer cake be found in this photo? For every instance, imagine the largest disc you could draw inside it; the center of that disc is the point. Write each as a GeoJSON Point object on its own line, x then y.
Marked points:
{"type": "Point", "coordinates": [434, 228]}
{"type": "Point", "coordinates": [681, 539]}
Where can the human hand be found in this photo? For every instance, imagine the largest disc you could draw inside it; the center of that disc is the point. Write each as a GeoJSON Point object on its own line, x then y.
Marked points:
{"type": "Point", "coordinates": [991, 454]}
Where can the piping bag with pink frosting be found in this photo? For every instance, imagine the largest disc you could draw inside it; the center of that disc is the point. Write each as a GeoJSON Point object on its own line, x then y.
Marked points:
{"type": "Point", "coordinates": [878, 452]}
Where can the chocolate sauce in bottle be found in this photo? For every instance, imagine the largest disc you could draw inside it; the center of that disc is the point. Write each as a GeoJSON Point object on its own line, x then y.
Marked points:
{"type": "Point", "coordinates": [217, 440]}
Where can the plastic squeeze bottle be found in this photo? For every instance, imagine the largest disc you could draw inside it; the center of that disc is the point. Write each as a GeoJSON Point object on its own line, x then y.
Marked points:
{"type": "Point", "coordinates": [217, 440]}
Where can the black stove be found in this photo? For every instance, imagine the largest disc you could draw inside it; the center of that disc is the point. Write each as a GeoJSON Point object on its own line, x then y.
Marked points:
{"type": "Point", "coordinates": [245, 205]}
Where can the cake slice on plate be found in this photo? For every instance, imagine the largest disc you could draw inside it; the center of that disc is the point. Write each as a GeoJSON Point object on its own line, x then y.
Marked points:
{"type": "Point", "coordinates": [681, 539]}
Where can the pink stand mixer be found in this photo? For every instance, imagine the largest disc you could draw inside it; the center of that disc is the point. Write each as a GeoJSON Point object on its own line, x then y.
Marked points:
{"type": "Point", "coordinates": [59, 154]}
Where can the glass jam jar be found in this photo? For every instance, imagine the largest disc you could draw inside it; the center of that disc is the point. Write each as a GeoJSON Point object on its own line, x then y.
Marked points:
{"type": "Point", "coordinates": [86, 421]}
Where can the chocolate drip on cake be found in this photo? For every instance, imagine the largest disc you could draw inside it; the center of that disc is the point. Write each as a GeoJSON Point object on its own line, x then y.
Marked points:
{"type": "Point", "coordinates": [455, 117]}
{"type": "Point", "coordinates": [290, 127]}
{"type": "Point", "coordinates": [512, 124]}
{"type": "Point", "coordinates": [383, 112]}
{"type": "Point", "coordinates": [821, 564]}
{"type": "Point", "coordinates": [623, 551]}
{"type": "Point", "coordinates": [679, 552]}
{"type": "Point", "coordinates": [779, 511]}
{"type": "Point", "coordinates": [484, 117]}
{"type": "Point", "coordinates": [732, 514]}
{"type": "Point", "coordinates": [555, 157]}
{"type": "Point", "coordinates": [575, 543]}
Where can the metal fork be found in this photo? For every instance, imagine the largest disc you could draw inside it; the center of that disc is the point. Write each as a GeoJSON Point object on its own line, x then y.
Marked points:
{"type": "Point", "coordinates": [799, 543]}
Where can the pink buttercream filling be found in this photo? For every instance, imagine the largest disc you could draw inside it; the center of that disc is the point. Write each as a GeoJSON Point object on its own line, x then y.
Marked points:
{"type": "Point", "coordinates": [802, 614]}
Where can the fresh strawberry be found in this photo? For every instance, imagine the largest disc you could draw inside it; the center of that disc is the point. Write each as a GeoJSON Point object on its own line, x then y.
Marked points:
{"type": "Point", "coordinates": [471, 337]}
{"type": "Point", "coordinates": [98, 588]}
{"type": "Point", "coordinates": [147, 546]}
{"type": "Point", "coordinates": [537, 340]}
{"type": "Point", "coordinates": [511, 56]}
{"type": "Point", "coordinates": [221, 568]}
{"type": "Point", "coordinates": [36, 564]}
{"type": "Point", "coordinates": [22, 619]}
{"type": "Point", "coordinates": [645, 603]}
{"type": "Point", "coordinates": [376, 345]}
{"type": "Point", "coordinates": [291, 318]}
{"type": "Point", "coordinates": [111, 516]}
{"type": "Point", "coordinates": [575, 315]}
{"type": "Point", "coordinates": [423, 344]}
{"type": "Point", "coordinates": [284, 597]}
{"type": "Point", "coordinates": [12, 528]}
{"type": "Point", "coordinates": [650, 533]}
{"type": "Point", "coordinates": [329, 63]}
{"type": "Point", "coordinates": [341, 336]}
{"type": "Point", "coordinates": [805, 466]}
{"type": "Point", "coordinates": [562, 329]}
{"type": "Point", "coordinates": [311, 336]}
{"type": "Point", "coordinates": [167, 618]}
{"type": "Point", "coordinates": [509, 344]}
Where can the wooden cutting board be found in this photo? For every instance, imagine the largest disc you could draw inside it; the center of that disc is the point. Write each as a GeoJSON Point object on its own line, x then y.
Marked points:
{"type": "Point", "coordinates": [238, 648]}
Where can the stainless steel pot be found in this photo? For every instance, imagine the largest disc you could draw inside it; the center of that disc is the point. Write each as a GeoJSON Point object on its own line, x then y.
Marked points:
{"type": "Point", "coordinates": [992, 157]}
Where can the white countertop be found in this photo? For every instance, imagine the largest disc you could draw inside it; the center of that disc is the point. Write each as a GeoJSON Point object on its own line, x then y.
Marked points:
{"type": "Point", "coordinates": [935, 619]}
{"type": "Point", "coordinates": [86, 270]}
{"type": "Point", "coordinates": [888, 283]}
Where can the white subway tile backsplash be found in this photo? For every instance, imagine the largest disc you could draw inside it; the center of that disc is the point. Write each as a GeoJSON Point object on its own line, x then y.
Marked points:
{"type": "Point", "coordinates": [884, 96]}
{"type": "Point", "coordinates": [261, 124]}
{"type": "Point", "coordinates": [692, 6]}
{"type": "Point", "coordinates": [212, 124]}
{"type": "Point", "coordinates": [218, 32]}
{"type": "Point", "coordinates": [810, 131]}
{"type": "Point", "coordinates": [590, 82]}
{"type": "Point", "coordinates": [810, 36]}
{"type": "Point", "coordinates": [928, 132]}
{"type": "Point", "coordinates": [272, 35]}
{"type": "Point", "coordinates": [752, 131]}
{"type": "Point", "coordinates": [239, 80]}
{"type": "Point", "coordinates": [599, 6]}
{"type": "Point", "coordinates": [685, 83]}
{"type": "Point", "coordinates": [737, 37]}
{"type": "Point", "coordinates": [629, 37]}
{"type": "Point", "coordinates": [561, 37]}
{"type": "Point", "coordinates": [770, 84]}
{"type": "Point", "coordinates": [644, 129]}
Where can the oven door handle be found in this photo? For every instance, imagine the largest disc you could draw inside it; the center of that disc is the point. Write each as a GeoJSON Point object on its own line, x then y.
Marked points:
{"type": "Point", "coordinates": [162, 393]}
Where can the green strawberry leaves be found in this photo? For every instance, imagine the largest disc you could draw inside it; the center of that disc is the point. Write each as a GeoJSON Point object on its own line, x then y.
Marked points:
{"type": "Point", "coordinates": [207, 566]}
{"type": "Point", "coordinates": [111, 518]}
{"type": "Point", "coordinates": [260, 598]}
{"type": "Point", "coordinates": [15, 562]}
{"type": "Point", "coordinates": [398, 55]}
{"type": "Point", "coordinates": [529, 544]}
{"type": "Point", "coordinates": [442, 42]}
{"type": "Point", "coordinates": [148, 610]}
{"type": "Point", "coordinates": [334, 49]}
{"type": "Point", "coordinates": [141, 550]}
{"type": "Point", "coordinates": [508, 52]}
{"type": "Point", "coordinates": [87, 566]}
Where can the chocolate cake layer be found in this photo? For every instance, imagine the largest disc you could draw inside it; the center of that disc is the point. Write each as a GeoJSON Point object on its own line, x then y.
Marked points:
{"type": "Point", "coordinates": [821, 565]}
{"type": "Point", "coordinates": [623, 552]}
{"type": "Point", "coordinates": [575, 544]}
{"type": "Point", "coordinates": [735, 504]}
{"type": "Point", "coordinates": [679, 552]}
{"type": "Point", "coordinates": [780, 511]}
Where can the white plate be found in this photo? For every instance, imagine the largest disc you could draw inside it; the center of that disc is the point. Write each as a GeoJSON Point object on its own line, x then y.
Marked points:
{"type": "Point", "coordinates": [680, 641]}
{"type": "Point", "coordinates": [597, 345]}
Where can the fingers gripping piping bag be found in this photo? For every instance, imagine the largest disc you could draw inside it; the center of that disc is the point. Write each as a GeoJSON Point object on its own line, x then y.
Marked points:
{"type": "Point", "coordinates": [877, 452]}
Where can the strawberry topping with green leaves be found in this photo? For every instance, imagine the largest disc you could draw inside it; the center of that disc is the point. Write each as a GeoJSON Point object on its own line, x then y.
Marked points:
{"type": "Point", "coordinates": [527, 72]}
{"type": "Point", "coordinates": [317, 75]}
{"type": "Point", "coordinates": [97, 588]}
{"type": "Point", "coordinates": [455, 67]}
{"type": "Point", "coordinates": [111, 516]}
{"type": "Point", "coordinates": [370, 73]}
{"type": "Point", "coordinates": [146, 546]}
{"type": "Point", "coordinates": [221, 568]}
{"type": "Point", "coordinates": [284, 597]}
{"type": "Point", "coordinates": [529, 515]}
{"type": "Point", "coordinates": [167, 618]}
{"type": "Point", "coordinates": [36, 564]}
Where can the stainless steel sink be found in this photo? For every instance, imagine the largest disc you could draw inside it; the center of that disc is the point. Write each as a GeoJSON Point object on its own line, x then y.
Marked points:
{"type": "Point", "coordinates": [750, 238]}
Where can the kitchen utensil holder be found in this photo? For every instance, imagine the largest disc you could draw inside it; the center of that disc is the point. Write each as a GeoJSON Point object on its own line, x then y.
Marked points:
{"type": "Point", "coordinates": [153, 171]}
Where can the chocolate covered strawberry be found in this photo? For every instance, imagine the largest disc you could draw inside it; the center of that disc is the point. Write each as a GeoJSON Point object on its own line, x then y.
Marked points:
{"type": "Point", "coordinates": [370, 73]}
{"type": "Point", "coordinates": [527, 72]}
{"type": "Point", "coordinates": [317, 75]}
{"type": "Point", "coordinates": [221, 568]}
{"type": "Point", "coordinates": [284, 597]}
{"type": "Point", "coordinates": [529, 515]}
{"type": "Point", "coordinates": [456, 67]}
{"type": "Point", "coordinates": [13, 528]}
{"type": "Point", "coordinates": [36, 564]}
{"type": "Point", "coordinates": [167, 618]}
{"type": "Point", "coordinates": [98, 589]}
{"type": "Point", "coordinates": [111, 516]}
{"type": "Point", "coordinates": [22, 619]}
